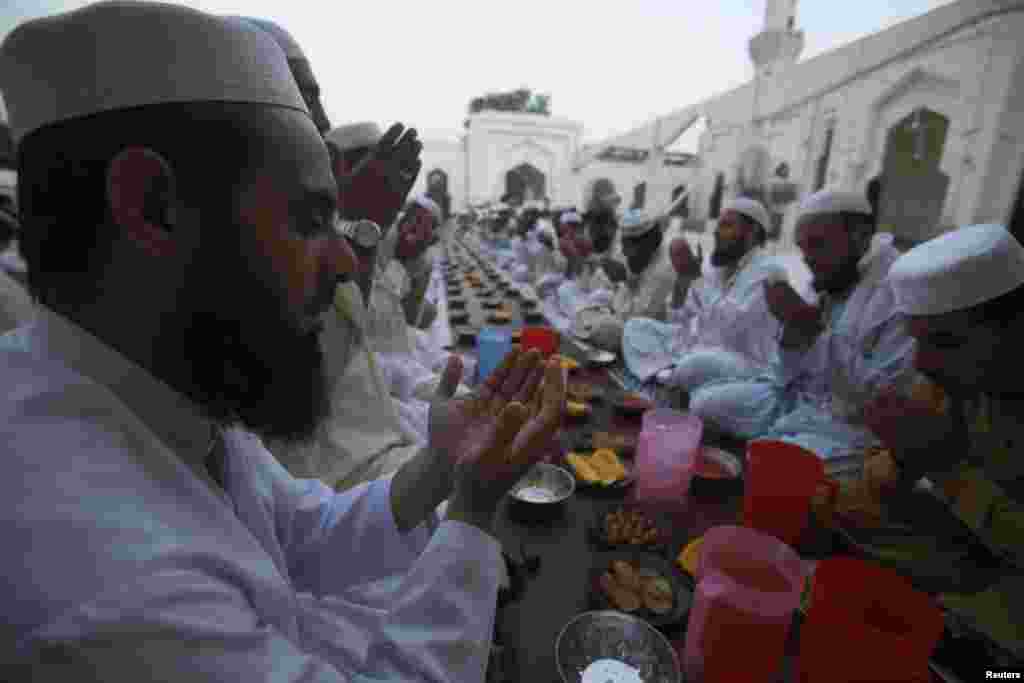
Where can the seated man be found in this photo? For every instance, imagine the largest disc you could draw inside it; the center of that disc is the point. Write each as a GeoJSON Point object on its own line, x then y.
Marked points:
{"type": "Point", "coordinates": [830, 356]}
{"type": "Point", "coordinates": [721, 327]}
{"type": "Point", "coordinates": [133, 448]}
{"type": "Point", "coordinates": [963, 293]}
{"type": "Point", "coordinates": [645, 292]}
{"type": "Point", "coordinates": [16, 307]}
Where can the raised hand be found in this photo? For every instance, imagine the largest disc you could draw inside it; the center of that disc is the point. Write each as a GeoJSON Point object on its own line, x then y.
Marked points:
{"type": "Point", "coordinates": [378, 187]}
{"type": "Point", "coordinates": [686, 264]}
{"type": "Point", "coordinates": [789, 307]}
{"type": "Point", "coordinates": [414, 237]}
{"type": "Point", "coordinates": [495, 436]}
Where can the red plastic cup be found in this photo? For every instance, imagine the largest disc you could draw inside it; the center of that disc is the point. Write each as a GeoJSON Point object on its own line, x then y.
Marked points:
{"type": "Point", "coordinates": [861, 605]}
{"type": "Point", "coordinates": [781, 479]}
{"type": "Point", "coordinates": [545, 339]}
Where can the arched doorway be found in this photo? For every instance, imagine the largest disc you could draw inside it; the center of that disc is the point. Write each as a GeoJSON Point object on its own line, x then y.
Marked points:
{"type": "Point", "coordinates": [911, 188]}
{"type": "Point", "coordinates": [437, 189]}
{"type": "Point", "coordinates": [525, 183]}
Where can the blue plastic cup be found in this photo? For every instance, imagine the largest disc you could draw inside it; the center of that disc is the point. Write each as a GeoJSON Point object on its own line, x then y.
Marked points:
{"type": "Point", "coordinates": [493, 344]}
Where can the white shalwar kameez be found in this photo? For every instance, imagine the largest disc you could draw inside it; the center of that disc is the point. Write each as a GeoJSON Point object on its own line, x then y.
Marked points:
{"type": "Point", "coordinates": [723, 330]}
{"type": "Point", "coordinates": [813, 398]}
{"type": "Point", "coordinates": [645, 294]}
{"type": "Point", "coordinates": [132, 564]}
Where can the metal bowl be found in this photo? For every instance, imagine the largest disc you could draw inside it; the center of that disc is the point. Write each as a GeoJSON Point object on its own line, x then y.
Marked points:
{"type": "Point", "coordinates": [608, 635]}
{"type": "Point", "coordinates": [542, 493]}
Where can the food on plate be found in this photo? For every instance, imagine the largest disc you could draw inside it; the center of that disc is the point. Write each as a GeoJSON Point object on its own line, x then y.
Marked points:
{"type": "Point", "coordinates": [689, 555]}
{"type": "Point", "coordinates": [627, 576]}
{"type": "Point", "coordinates": [576, 409]}
{"type": "Point", "coordinates": [568, 363]}
{"type": "Point", "coordinates": [621, 598]}
{"type": "Point", "coordinates": [601, 467]}
{"type": "Point", "coordinates": [930, 394]}
{"type": "Point", "coordinates": [630, 527]}
{"type": "Point", "coordinates": [657, 595]}
{"type": "Point", "coordinates": [629, 587]}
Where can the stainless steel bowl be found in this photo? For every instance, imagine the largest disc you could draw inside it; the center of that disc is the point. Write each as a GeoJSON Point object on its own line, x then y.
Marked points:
{"type": "Point", "coordinates": [542, 493]}
{"type": "Point", "coordinates": [593, 636]}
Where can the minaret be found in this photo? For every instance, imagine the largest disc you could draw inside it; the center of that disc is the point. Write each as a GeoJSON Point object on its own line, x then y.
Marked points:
{"type": "Point", "coordinates": [779, 43]}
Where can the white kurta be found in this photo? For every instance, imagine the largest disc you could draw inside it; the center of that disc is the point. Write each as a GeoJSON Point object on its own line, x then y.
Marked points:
{"type": "Point", "coordinates": [133, 565]}
{"type": "Point", "coordinates": [644, 294]}
{"type": "Point", "coordinates": [808, 400]}
{"type": "Point", "coordinates": [16, 307]}
{"type": "Point", "coordinates": [723, 329]}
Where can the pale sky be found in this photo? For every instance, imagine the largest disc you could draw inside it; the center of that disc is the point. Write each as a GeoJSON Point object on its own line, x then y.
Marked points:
{"type": "Point", "coordinates": [609, 66]}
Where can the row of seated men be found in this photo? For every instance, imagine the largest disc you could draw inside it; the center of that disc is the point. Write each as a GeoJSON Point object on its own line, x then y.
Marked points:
{"type": "Point", "coordinates": [827, 369]}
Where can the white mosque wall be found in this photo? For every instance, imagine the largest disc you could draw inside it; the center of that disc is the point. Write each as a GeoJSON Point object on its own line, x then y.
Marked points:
{"type": "Point", "coordinates": [974, 76]}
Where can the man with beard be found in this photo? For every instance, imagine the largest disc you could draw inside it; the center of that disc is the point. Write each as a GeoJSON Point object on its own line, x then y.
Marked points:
{"type": "Point", "coordinates": [587, 284]}
{"type": "Point", "coordinates": [131, 442]}
{"type": "Point", "coordinates": [646, 290]}
{"type": "Point", "coordinates": [723, 328]}
{"type": "Point", "coordinates": [962, 294]}
{"type": "Point", "coordinates": [831, 355]}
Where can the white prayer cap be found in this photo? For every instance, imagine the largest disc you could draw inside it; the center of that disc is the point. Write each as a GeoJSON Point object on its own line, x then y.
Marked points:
{"type": "Point", "coordinates": [124, 54]}
{"type": "Point", "coordinates": [430, 205]}
{"type": "Point", "coordinates": [355, 135]}
{"type": "Point", "coordinates": [958, 270]}
{"type": "Point", "coordinates": [832, 201]}
{"type": "Point", "coordinates": [283, 39]}
{"type": "Point", "coordinates": [635, 223]}
{"type": "Point", "coordinates": [752, 209]}
{"type": "Point", "coordinates": [570, 217]}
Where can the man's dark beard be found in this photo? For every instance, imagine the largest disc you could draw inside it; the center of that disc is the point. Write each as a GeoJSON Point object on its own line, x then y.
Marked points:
{"type": "Point", "coordinates": [248, 365]}
{"type": "Point", "coordinates": [728, 255]}
{"type": "Point", "coordinates": [841, 281]}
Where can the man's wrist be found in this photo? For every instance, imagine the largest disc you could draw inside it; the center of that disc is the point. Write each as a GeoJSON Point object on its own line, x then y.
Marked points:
{"type": "Point", "coordinates": [418, 487]}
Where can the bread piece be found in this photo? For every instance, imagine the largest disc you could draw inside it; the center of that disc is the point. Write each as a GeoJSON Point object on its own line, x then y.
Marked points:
{"type": "Point", "coordinates": [621, 598]}
{"type": "Point", "coordinates": [627, 576]}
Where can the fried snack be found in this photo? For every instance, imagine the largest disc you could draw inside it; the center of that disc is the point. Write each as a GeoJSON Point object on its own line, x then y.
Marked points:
{"type": "Point", "coordinates": [568, 363]}
{"type": "Point", "coordinates": [501, 316]}
{"type": "Point", "coordinates": [575, 409]}
{"type": "Point", "coordinates": [608, 465]}
{"type": "Point", "coordinates": [626, 576]}
{"type": "Point", "coordinates": [880, 473]}
{"type": "Point", "coordinates": [621, 598]}
{"type": "Point", "coordinates": [930, 394]}
{"type": "Point", "coordinates": [581, 465]}
{"type": "Point", "coordinates": [629, 527]}
{"type": "Point", "coordinates": [657, 594]}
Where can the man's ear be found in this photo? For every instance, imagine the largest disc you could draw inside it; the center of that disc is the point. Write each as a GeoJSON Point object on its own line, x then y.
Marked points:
{"type": "Point", "coordinates": [141, 195]}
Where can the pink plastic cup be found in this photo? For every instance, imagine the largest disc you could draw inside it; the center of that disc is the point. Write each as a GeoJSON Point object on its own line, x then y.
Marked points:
{"type": "Point", "coordinates": [748, 586]}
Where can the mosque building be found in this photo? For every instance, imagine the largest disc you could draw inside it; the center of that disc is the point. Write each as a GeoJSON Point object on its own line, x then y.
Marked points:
{"type": "Point", "coordinates": [928, 113]}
